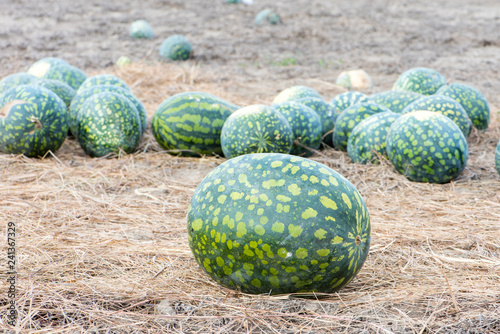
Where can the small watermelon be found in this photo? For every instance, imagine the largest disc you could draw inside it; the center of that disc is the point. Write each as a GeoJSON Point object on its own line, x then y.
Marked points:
{"type": "Point", "coordinates": [325, 112]}
{"type": "Point", "coordinates": [354, 79]}
{"type": "Point", "coordinates": [256, 129]}
{"type": "Point", "coordinates": [123, 61]}
{"type": "Point", "coordinates": [497, 157]}
{"type": "Point", "coordinates": [422, 80]}
{"type": "Point", "coordinates": [351, 117]}
{"type": "Point", "coordinates": [368, 139]}
{"type": "Point", "coordinates": [68, 74]}
{"type": "Point", "coordinates": [82, 95]}
{"type": "Point", "coordinates": [267, 16]}
{"type": "Point", "coordinates": [295, 93]}
{"type": "Point", "coordinates": [176, 47]}
{"type": "Point", "coordinates": [61, 89]}
{"type": "Point", "coordinates": [443, 105]}
{"type": "Point", "coordinates": [40, 67]}
{"type": "Point", "coordinates": [426, 146]}
{"type": "Point", "coordinates": [396, 101]}
{"type": "Point", "coordinates": [276, 223]}
{"type": "Point", "coordinates": [16, 79]}
{"type": "Point", "coordinates": [190, 123]}
{"type": "Point", "coordinates": [306, 127]}
{"type": "Point", "coordinates": [33, 121]}
{"type": "Point", "coordinates": [108, 123]}
{"type": "Point", "coordinates": [340, 102]}
{"type": "Point", "coordinates": [473, 102]}
{"type": "Point", "coordinates": [103, 79]}
{"type": "Point", "coordinates": [141, 29]}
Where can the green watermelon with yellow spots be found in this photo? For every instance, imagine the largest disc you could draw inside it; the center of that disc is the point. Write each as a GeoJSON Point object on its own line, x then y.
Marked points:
{"type": "Point", "coordinates": [394, 100]}
{"type": "Point", "coordinates": [325, 112]}
{"type": "Point", "coordinates": [295, 93]}
{"type": "Point", "coordinates": [64, 72]}
{"type": "Point", "coordinates": [41, 66]}
{"type": "Point", "coordinates": [473, 102]}
{"type": "Point", "coordinates": [16, 79]}
{"type": "Point", "coordinates": [176, 47]}
{"type": "Point", "coordinates": [270, 223]}
{"type": "Point", "coordinates": [61, 89]}
{"type": "Point", "coordinates": [103, 79]}
{"type": "Point", "coordinates": [422, 80]}
{"type": "Point", "coordinates": [344, 100]}
{"type": "Point", "coordinates": [108, 123]}
{"type": "Point", "coordinates": [191, 123]}
{"type": "Point", "coordinates": [497, 158]}
{"type": "Point", "coordinates": [33, 121]}
{"type": "Point", "coordinates": [426, 146]}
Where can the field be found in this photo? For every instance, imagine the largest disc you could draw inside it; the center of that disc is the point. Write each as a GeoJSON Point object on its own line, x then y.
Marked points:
{"type": "Point", "coordinates": [102, 244]}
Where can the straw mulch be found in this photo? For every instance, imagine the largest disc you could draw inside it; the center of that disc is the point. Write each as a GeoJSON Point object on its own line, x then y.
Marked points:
{"type": "Point", "coordinates": [102, 243]}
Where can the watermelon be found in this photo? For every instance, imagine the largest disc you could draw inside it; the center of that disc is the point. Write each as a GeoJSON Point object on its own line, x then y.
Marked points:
{"type": "Point", "coordinates": [426, 146]}
{"type": "Point", "coordinates": [351, 117]}
{"type": "Point", "coordinates": [267, 16]}
{"type": "Point", "coordinates": [473, 102]}
{"type": "Point", "coordinates": [275, 223]}
{"type": "Point", "coordinates": [340, 102]}
{"type": "Point", "coordinates": [16, 79]}
{"type": "Point", "coordinates": [497, 157]}
{"type": "Point", "coordinates": [295, 93]}
{"type": "Point", "coordinates": [61, 89]}
{"type": "Point", "coordinates": [325, 112]}
{"type": "Point", "coordinates": [108, 123]}
{"type": "Point", "coordinates": [190, 123]}
{"type": "Point", "coordinates": [368, 139]}
{"type": "Point", "coordinates": [176, 47]}
{"type": "Point", "coordinates": [82, 95]}
{"type": "Point", "coordinates": [141, 29]}
{"type": "Point", "coordinates": [422, 80]}
{"type": "Point", "coordinates": [66, 73]}
{"type": "Point", "coordinates": [123, 61]}
{"type": "Point", "coordinates": [33, 121]}
{"type": "Point", "coordinates": [40, 67]}
{"type": "Point", "coordinates": [306, 127]}
{"type": "Point", "coordinates": [396, 101]}
{"type": "Point", "coordinates": [103, 79]}
{"type": "Point", "coordinates": [354, 79]}
{"type": "Point", "coordinates": [256, 129]}
{"type": "Point", "coordinates": [443, 105]}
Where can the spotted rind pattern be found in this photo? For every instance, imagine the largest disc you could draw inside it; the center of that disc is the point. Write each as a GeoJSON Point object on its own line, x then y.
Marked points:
{"type": "Point", "coordinates": [295, 93]}
{"type": "Point", "coordinates": [16, 79]}
{"type": "Point", "coordinates": [422, 80]}
{"type": "Point", "coordinates": [276, 223]}
{"type": "Point", "coordinates": [396, 101]}
{"type": "Point", "coordinates": [256, 129]}
{"type": "Point", "coordinates": [141, 29]}
{"type": "Point", "coordinates": [340, 102]}
{"type": "Point", "coordinates": [68, 74]}
{"type": "Point", "coordinates": [176, 47]}
{"type": "Point", "coordinates": [426, 146]}
{"type": "Point", "coordinates": [325, 112]}
{"type": "Point", "coordinates": [104, 79]}
{"type": "Point", "coordinates": [61, 89]}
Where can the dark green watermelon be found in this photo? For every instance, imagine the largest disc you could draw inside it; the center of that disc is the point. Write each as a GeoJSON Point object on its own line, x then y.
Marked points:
{"type": "Point", "coordinates": [68, 74]}
{"type": "Point", "coordinates": [368, 139]}
{"type": "Point", "coordinates": [190, 123]}
{"type": "Point", "coordinates": [443, 105]}
{"type": "Point", "coordinates": [340, 102]}
{"type": "Point", "coordinates": [325, 112]}
{"type": "Point", "coordinates": [141, 29]}
{"type": "Point", "coordinates": [295, 93]}
{"type": "Point", "coordinates": [396, 101]}
{"type": "Point", "coordinates": [422, 80]}
{"type": "Point", "coordinates": [16, 79]}
{"type": "Point", "coordinates": [82, 95]}
{"type": "Point", "coordinates": [176, 47]}
{"type": "Point", "coordinates": [267, 16]}
{"type": "Point", "coordinates": [497, 157]}
{"type": "Point", "coordinates": [426, 146]}
{"type": "Point", "coordinates": [61, 89]}
{"type": "Point", "coordinates": [40, 67]}
{"type": "Point", "coordinates": [473, 102]}
{"type": "Point", "coordinates": [108, 123]}
{"type": "Point", "coordinates": [275, 223]}
{"type": "Point", "coordinates": [351, 117]}
{"type": "Point", "coordinates": [306, 127]}
{"type": "Point", "coordinates": [256, 129]}
{"type": "Point", "coordinates": [103, 79]}
{"type": "Point", "coordinates": [33, 121]}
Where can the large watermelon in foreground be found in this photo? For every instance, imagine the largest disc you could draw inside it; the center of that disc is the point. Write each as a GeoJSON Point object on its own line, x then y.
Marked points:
{"type": "Point", "coordinates": [276, 223]}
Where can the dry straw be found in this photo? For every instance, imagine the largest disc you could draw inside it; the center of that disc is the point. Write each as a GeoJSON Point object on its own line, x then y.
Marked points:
{"type": "Point", "coordinates": [102, 243]}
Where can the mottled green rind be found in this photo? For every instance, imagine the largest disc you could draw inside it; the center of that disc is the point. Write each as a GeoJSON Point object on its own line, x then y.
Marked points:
{"type": "Point", "coordinates": [267, 16]}
{"type": "Point", "coordinates": [497, 158]}
{"type": "Point", "coordinates": [108, 123]}
{"type": "Point", "coordinates": [176, 47]}
{"type": "Point", "coordinates": [141, 29]}
{"type": "Point", "coordinates": [396, 101]}
{"type": "Point", "coordinates": [445, 106]}
{"type": "Point", "coordinates": [340, 102]}
{"type": "Point", "coordinates": [295, 93]}
{"type": "Point", "coordinates": [422, 80]}
{"type": "Point", "coordinates": [306, 127]}
{"type": "Point", "coordinates": [40, 67]}
{"type": "Point", "coordinates": [16, 79]}
{"type": "Point", "coordinates": [325, 112]}
{"type": "Point", "coordinates": [349, 118]}
{"type": "Point", "coordinates": [20, 133]}
{"type": "Point", "coordinates": [103, 79]}
{"type": "Point", "coordinates": [82, 95]}
{"type": "Point", "coordinates": [368, 139]}
{"type": "Point", "coordinates": [256, 129]}
{"type": "Point", "coordinates": [473, 102]}
{"type": "Point", "coordinates": [61, 89]}
{"type": "Point", "coordinates": [68, 74]}
{"type": "Point", "coordinates": [426, 146]}
{"type": "Point", "coordinates": [275, 224]}
{"type": "Point", "coordinates": [190, 123]}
